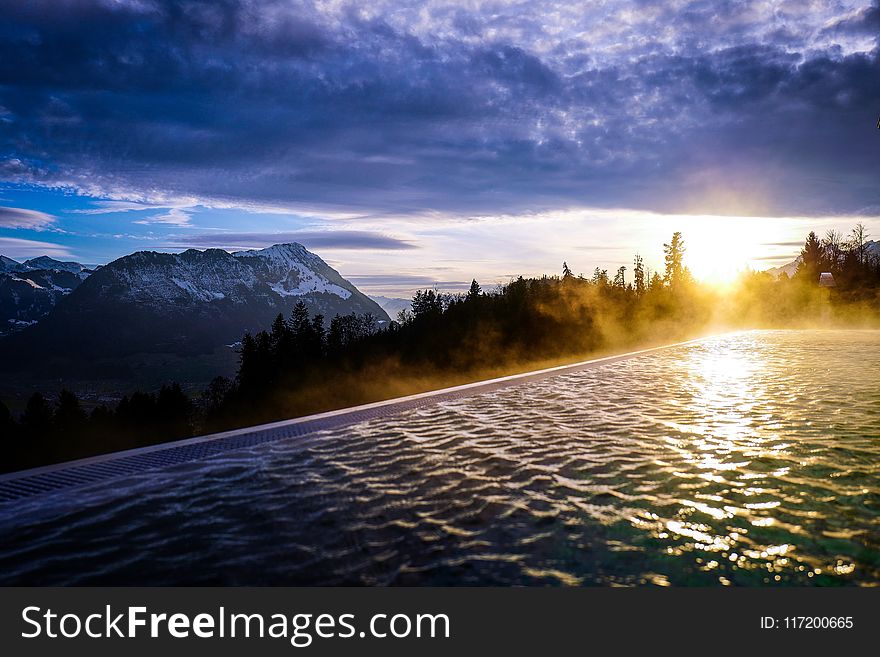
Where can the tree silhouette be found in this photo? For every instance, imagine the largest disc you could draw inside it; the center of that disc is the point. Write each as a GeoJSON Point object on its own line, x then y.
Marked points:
{"type": "Point", "coordinates": [812, 258]}
{"type": "Point", "coordinates": [37, 417]}
{"type": "Point", "coordinates": [474, 290]}
{"type": "Point", "coordinates": [639, 279]}
{"type": "Point", "coordinates": [600, 277]}
{"type": "Point", "coordinates": [69, 419]}
{"type": "Point", "coordinates": [858, 241]}
{"type": "Point", "coordinates": [426, 303]}
{"type": "Point", "coordinates": [674, 259]}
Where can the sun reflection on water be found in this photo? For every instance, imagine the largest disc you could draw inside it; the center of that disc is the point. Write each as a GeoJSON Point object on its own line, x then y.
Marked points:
{"type": "Point", "coordinates": [733, 444]}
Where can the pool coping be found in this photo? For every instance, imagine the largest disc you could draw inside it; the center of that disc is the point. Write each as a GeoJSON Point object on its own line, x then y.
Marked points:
{"type": "Point", "coordinates": [69, 475]}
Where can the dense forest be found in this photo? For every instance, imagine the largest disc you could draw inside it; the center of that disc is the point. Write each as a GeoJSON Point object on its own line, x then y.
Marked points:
{"type": "Point", "coordinates": [302, 365]}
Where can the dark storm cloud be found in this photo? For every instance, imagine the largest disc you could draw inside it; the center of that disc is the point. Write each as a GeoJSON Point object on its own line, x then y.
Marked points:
{"type": "Point", "coordinates": [338, 239]}
{"type": "Point", "coordinates": [420, 107]}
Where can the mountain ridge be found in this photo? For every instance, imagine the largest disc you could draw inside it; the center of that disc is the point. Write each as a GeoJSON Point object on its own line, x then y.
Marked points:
{"type": "Point", "coordinates": [29, 290]}
{"type": "Point", "coordinates": [185, 303]}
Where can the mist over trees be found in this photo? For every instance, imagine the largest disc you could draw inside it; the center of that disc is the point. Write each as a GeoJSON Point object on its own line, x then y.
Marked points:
{"type": "Point", "coordinates": [846, 258]}
{"type": "Point", "coordinates": [762, 300]}
{"type": "Point", "coordinates": [300, 365]}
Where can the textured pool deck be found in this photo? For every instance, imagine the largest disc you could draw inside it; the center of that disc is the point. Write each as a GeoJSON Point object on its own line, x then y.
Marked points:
{"type": "Point", "coordinates": [72, 474]}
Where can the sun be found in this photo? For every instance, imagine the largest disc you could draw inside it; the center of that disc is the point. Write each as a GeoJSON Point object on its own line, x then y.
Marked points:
{"type": "Point", "coordinates": [717, 250]}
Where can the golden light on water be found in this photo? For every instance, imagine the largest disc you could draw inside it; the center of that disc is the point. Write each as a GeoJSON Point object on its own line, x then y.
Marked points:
{"type": "Point", "coordinates": [727, 437]}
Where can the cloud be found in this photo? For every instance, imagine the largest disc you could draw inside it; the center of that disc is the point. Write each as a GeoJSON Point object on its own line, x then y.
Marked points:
{"type": "Point", "coordinates": [776, 258]}
{"type": "Point", "coordinates": [21, 249]}
{"type": "Point", "coordinates": [785, 244]}
{"type": "Point", "coordinates": [23, 218]}
{"type": "Point", "coordinates": [380, 280]}
{"type": "Point", "coordinates": [173, 217]}
{"type": "Point", "coordinates": [333, 239]}
{"type": "Point", "coordinates": [699, 107]}
{"type": "Point", "coordinates": [111, 207]}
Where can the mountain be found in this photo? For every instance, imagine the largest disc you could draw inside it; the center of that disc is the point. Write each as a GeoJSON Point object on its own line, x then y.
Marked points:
{"type": "Point", "coordinates": [8, 264]}
{"type": "Point", "coordinates": [50, 264]}
{"type": "Point", "coordinates": [30, 290]}
{"type": "Point", "coordinates": [872, 248]}
{"type": "Point", "coordinates": [788, 269]}
{"type": "Point", "coordinates": [43, 263]}
{"type": "Point", "coordinates": [392, 305]}
{"type": "Point", "coordinates": [186, 303]}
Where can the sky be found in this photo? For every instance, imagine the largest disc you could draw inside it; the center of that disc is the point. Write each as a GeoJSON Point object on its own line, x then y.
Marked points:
{"type": "Point", "coordinates": [421, 144]}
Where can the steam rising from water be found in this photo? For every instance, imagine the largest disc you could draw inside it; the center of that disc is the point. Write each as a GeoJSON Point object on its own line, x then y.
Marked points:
{"type": "Point", "coordinates": [749, 458]}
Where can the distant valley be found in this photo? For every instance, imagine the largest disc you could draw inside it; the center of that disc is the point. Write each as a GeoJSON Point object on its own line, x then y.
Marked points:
{"type": "Point", "coordinates": [393, 306]}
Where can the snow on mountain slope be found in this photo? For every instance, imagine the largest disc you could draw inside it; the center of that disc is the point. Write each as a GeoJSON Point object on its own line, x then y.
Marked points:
{"type": "Point", "coordinates": [28, 296]}
{"type": "Point", "coordinates": [190, 302]}
{"type": "Point", "coordinates": [51, 264]}
{"type": "Point", "coordinates": [30, 289]}
{"type": "Point", "coordinates": [285, 270]}
{"type": "Point", "coordinates": [295, 271]}
{"type": "Point", "coordinates": [788, 269]}
{"type": "Point", "coordinates": [158, 279]}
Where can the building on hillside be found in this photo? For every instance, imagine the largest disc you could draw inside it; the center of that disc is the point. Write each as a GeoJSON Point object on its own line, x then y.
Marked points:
{"type": "Point", "coordinates": [826, 279]}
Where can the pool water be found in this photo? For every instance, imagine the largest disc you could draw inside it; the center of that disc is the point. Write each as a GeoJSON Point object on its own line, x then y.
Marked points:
{"type": "Point", "coordinates": [743, 459]}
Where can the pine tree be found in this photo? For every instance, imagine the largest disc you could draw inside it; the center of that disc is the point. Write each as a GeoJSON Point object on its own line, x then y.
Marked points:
{"type": "Point", "coordinates": [426, 303]}
{"type": "Point", "coordinates": [70, 419]}
{"type": "Point", "coordinates": [247, 365]}
{"type": "Point", "coordinates": [812, 259]}
{"type": "Point", "coordinates": [217, 393]}
{"type": "Point", "coordinates": [674, 259]}
{"type": "Point", "coordinates": [319, 337]}
{"type": "Point", "coordinates": [474, 290]}
{"type": "Point", "coordinates": [639, 275]}
{"type": "Point", "coordinates": [37, 417]}
{"type": "Point", "coordinates": [173, 409]}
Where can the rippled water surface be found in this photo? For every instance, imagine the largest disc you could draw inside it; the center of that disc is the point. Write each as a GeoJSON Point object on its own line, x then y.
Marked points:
{"type": "Point", "coordinates": [749, 458]}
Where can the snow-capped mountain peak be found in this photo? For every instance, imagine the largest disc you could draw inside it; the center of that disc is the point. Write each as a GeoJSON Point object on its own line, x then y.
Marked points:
{"type": "Point", "coordinates": [291, 270]}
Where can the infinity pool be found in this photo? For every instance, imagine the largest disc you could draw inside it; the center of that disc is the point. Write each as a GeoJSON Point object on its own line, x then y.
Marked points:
{"type": "Point", "coordinates": [744, 459]}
